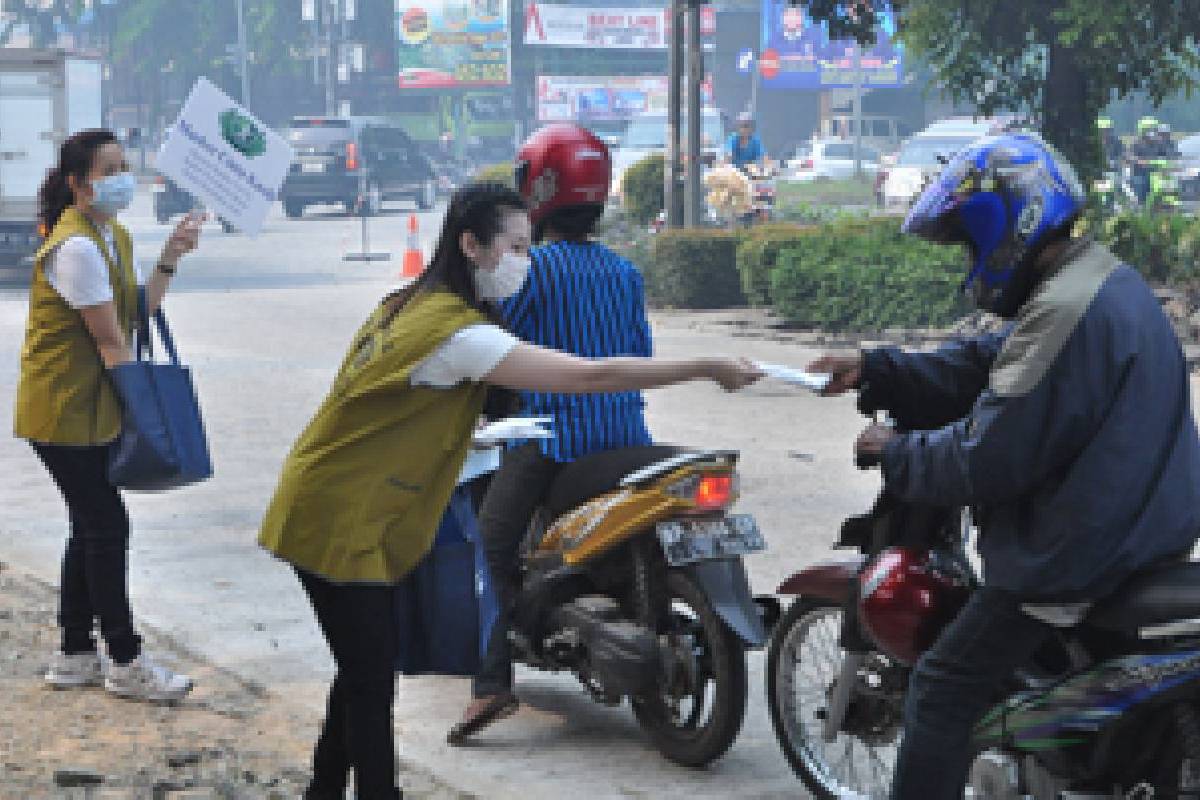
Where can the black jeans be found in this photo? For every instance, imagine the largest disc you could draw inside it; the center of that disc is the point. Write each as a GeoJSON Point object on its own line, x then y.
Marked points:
{"type": "Point", "coordinates": [516, 490]}
{"type": "Point", "coordinates": [358, 621]}
{"type": "Point", "coordinates": [95, 563]}
{"type": "Point", "coordinates": [951, 688]}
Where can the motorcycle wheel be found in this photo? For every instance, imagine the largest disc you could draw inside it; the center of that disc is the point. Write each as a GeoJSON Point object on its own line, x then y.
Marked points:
{"type": "Point", "coordinates": [803, 663]}
{"type": "Point", "coordinates": [697, 729]}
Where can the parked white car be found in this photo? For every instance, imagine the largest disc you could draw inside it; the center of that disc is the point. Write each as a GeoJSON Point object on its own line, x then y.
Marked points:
{"type": "Point", "coordinates": [1189, 177]}
{"type": "Point", "coordinates": [831, 159]}
{"type": "Point", "coordinates": [920, 159]}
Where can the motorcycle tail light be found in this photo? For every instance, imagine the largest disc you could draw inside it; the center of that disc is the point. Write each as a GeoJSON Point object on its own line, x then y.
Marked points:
{"type": "Point", "coordinates": [806, 164]}
{"type": "Point", "coordinates": [707, 491]}
{"type": "Point", "coordinates": [714, 491]}
{"type": "Point", "coordinates": [351, 156]}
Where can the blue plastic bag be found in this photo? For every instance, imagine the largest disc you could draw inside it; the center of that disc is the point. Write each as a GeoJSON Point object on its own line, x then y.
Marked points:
{"type": "Point", "coordinates": [445, 607]}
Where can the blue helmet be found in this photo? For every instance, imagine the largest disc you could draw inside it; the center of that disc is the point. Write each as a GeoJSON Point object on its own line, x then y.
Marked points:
{"type": "Point", "coordinates": [1004, 197]}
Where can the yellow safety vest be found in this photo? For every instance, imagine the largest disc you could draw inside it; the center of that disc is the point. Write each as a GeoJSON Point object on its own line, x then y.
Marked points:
{"type": "Point", "coordinates": [365, 486]}
{"type": "Point", "coordinates": [64, 395]}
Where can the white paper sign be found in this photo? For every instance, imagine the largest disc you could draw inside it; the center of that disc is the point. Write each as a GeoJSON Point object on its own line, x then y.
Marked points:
{"type": "Point", "coordinates": [225, 156]}
{"type": "Point", "coordinates": [797, 377]}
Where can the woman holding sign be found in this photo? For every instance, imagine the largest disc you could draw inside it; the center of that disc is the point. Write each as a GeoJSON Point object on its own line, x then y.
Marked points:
{"type": "Point", "coordinates": [366, 484]}
{"type": "Point", "coordinates": [82, 302]}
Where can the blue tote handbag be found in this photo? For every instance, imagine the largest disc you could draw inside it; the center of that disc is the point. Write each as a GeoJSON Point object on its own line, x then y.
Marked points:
{"type": "Point", "coordinates": [445, 608]}
{"type": "Point", "coordinates": [162, 444]}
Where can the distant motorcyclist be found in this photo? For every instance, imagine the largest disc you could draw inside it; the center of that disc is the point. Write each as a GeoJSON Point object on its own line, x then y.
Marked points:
{"type": "Point", "coordinates": [1167, 148]}
{"type": "Point", "coordinates": [1146, 148]}
{"type": "Point", "coordinates": [1070, 435]}
{"type": "Point", "coordinates": [744, 146]}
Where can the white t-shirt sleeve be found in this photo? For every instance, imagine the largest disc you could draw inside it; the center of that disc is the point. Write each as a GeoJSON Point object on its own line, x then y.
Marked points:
{"type": "Point", "coordinates": [79, 273]}
{"type": "Point", "coordinates": [468, 355]}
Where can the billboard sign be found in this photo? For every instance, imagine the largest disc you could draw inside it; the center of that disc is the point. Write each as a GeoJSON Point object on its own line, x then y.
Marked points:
{"type": "Point", "coordinates": [449, 43]}
{"type": "Point", "coordinates": [615, 98]}
{"type": "Point", "coordinates": [604, 28]}
{"type": "Point", "coordinates": [797, 53]}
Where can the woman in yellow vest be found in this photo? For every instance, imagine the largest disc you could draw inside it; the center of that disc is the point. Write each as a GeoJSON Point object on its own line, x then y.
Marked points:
{"type": "Point", "coordinates": [365, 485]}
{"type": "Point", "coordinates": [81, 306]}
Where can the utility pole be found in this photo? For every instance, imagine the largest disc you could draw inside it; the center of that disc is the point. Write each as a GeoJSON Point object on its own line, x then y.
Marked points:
{"type": "Point", "coordinates": [858, 112]}
{"type": "Point", "coordinates": [674, 200]}
{"type": "Point", "coordinates": [693, 210]}
{"type": "Point", "coordinates": [329, 14]}
{"type": "Point", "coordinates": [242, 58]}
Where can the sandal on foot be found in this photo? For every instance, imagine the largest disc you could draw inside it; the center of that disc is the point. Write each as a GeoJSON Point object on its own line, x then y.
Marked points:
{"type": "Point", "coordinates": [499, 707]}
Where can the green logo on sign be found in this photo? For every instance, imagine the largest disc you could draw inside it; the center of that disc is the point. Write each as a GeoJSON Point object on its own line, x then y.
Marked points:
{"type": "Point", "coordinates": [242, 134]}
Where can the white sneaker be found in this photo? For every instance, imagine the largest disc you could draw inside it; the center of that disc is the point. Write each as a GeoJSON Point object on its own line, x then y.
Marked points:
{"type": "Point", "coordinates": [145, 679]}
{"type": "Point", "coordinates": [74, 671]}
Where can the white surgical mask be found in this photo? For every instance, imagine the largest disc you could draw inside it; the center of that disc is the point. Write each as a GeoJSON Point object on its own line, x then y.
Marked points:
{"type": "Point", "coordinates": [113, 194]}
{"type": "Point", "coordinates": [503, 281]}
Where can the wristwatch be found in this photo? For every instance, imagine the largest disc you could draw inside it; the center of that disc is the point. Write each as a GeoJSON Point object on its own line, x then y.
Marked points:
{"type": "Point", "coordinates": [166, 269]}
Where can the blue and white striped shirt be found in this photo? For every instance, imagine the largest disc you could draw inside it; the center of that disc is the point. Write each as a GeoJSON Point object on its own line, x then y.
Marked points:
{"type": "Point", "coordinates": [583, 298]}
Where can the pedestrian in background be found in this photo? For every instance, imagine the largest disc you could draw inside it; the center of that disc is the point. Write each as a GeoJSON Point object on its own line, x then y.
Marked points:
{"type": "Point", "coordinates": [82, 307]}
{"type": "Point", "coordinates": [365, 486]}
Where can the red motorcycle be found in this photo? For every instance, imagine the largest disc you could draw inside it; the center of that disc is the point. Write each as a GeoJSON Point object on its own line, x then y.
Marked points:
{"type": "Point", "coordinates": [1111, 709]}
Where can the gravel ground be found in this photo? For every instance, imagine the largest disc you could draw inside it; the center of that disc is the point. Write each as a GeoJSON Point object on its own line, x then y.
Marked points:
{"type": "Point", "coordinates": [230, 739]}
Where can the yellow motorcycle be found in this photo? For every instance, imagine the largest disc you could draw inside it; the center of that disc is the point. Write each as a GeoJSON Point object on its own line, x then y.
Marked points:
{"type": "Point", "coordinates": [633, 580]}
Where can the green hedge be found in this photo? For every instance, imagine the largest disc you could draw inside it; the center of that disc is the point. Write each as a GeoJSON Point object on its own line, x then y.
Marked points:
{"type": "Point", "coordinates": [496, 173]}
{"type": "Point", "coordinates": [694, 269]}
{"type": "Point", "coordinates": [642, 189]}
{"type": "Point", "coordinates": [758, 253]}
{"type": "Point", "coordinates": [865, 275]}
{"type": "Point", "coordinates": [1165, 247]}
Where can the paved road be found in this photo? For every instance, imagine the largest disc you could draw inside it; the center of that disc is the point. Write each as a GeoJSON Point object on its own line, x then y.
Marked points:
{"type": "Point", "coordinates": [264, 322]}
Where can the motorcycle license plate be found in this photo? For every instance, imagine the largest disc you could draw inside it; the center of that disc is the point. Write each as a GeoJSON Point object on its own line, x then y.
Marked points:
{"type": "Point", "coordinates": [686, 541]}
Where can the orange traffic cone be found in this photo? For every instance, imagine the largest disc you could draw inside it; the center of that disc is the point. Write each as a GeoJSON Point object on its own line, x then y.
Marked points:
{"type": "Point", "coordinates": [414, 262]}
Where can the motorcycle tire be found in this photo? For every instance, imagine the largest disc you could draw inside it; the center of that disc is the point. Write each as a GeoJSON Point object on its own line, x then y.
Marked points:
{"type": "Point", "coordinates": [804, 753]}
{"type": "Point", "coordinates": [693, 745]}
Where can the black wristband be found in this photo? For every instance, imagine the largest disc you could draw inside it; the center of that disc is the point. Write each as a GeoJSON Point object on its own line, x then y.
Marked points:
{"type": "Point", "coordinates": [165, 269]}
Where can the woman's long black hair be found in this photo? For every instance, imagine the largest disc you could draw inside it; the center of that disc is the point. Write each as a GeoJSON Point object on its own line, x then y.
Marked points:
{"type": "Point", "coordinates": [75, 158]}
{"type": "Point", "coordinates": [479, 208]}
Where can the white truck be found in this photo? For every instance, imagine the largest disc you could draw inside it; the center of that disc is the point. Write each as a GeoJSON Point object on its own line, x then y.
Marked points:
{"type": "Point", "coordinates": [45, 96]}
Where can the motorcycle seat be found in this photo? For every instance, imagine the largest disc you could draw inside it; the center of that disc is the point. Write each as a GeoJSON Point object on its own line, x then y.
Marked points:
{"type": "Point", "coordinates": [1166, 597]}
{"type": "Point", "coordinates": [595, 474]}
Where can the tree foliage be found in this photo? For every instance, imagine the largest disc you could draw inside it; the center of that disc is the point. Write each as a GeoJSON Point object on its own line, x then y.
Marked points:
{"type": "Point", "coordinates": [1057, 61]}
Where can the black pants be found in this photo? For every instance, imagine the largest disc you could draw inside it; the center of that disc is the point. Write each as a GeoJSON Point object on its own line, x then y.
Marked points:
{"type": "Point", "coordinates": [516, 490]}
{"type": "Point", "coordinates": [95, 563]}
{"type": "Point", "coordinates": [951, 688]}
{"type": "Point", "coordinates": [358, 621]}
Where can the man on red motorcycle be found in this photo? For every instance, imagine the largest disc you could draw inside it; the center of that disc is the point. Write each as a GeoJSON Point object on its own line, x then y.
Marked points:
{"type": "Point", "coordinates": [1069, 434]}
{"type": "Point", "coordinates": [582, 298]}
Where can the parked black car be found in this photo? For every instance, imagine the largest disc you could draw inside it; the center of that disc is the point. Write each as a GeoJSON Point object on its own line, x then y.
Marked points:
{"type": "Point", "coordinates": [172, 201]}
{"type": "Point", "coordinates": [334, 153]}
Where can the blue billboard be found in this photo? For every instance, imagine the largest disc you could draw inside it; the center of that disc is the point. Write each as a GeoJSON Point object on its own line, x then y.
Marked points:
{"type": "Point", "coordinates": [797, 53]}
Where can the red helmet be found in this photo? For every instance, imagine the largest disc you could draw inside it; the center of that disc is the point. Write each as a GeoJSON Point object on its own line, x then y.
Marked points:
{"type": "Point", "coordinates": [905, 602]}
{"type": "Point", "coordinates": [561, 166]}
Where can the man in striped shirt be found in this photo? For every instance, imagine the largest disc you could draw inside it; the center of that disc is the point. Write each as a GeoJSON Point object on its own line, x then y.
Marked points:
{"type": "Point", "coordinates": [580, 298]}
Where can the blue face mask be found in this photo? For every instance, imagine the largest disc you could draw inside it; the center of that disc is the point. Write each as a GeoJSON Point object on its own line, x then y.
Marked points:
{"type": "Point", "coordinates": [114, 193]}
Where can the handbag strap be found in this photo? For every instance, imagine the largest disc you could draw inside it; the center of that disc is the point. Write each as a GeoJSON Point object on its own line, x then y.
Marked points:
{"type": "Point", "coordinates": [144, 340]}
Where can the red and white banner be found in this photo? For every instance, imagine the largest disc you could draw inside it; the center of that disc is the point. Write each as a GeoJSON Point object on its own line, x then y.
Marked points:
{"type": "Point", "coordinates": [587, 26]}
